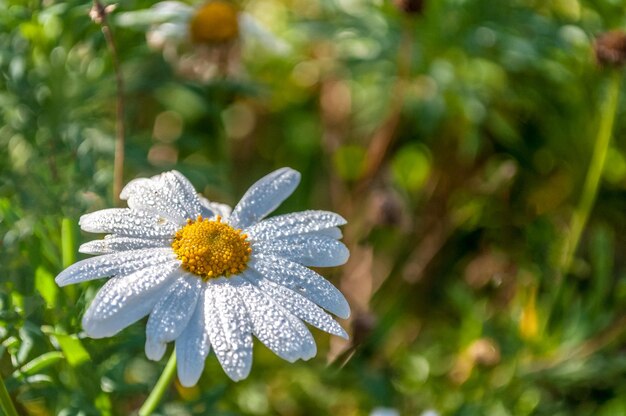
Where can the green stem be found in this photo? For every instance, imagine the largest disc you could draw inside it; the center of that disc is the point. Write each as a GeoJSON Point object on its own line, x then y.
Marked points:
{"type": "Point", "coordinates": [594, 174]}
{"type": "Point", "coordinates": [100, 15]}
{"type": "Point", "coordinates": [161, 386]}
{"type": "Point", "coordinates": [5, 401]}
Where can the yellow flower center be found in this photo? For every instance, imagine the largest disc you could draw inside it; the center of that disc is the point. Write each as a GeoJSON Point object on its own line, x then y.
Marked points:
{"type": "Point", "coordinates": [215, 22]}
{"type": "Point", "coordinates": [211, 248]}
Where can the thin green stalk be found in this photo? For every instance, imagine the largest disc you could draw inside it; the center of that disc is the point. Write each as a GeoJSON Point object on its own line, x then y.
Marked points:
{"type": "Point", "coordinates": [160, 387]}
{"type": "Point", "coordinates": [99, 13]}
{"type": "Point", "coordinates": [594, 174]}
{"type": "Point", "coordinates": [68, 242]}
{"type": "Point", "coordinates": [68, 250]}
{"type": "Point", "coordinates": [5, 401]}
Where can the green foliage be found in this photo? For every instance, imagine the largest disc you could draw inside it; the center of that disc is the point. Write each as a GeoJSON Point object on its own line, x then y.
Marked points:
{"type": "Point", "coordinates": [456, 142]}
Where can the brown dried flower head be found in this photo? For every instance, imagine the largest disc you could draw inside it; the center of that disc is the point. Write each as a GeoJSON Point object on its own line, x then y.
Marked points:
{"type": "Point", "coordinates": [610, 48]}
{"type": "Point", "coordinates": [99, 12]}
{"type": "Point", "coordinates": [411, 7]}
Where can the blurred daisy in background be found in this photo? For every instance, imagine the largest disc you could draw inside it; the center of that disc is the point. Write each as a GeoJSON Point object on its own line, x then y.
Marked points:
{"type": "Point", "coordinates": [204, 40]}
{"type": "Point", "coordinates": [209, 276]}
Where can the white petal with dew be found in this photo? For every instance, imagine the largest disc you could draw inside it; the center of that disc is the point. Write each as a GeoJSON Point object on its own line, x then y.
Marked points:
{"type": "Point", "coordinates": [306, 249]}
{"type": "Point", "coordinates": [300, 306]}
{"type": "Point", "coordinates": [176, 192]}
{"type": "Point", "coordinates": [116, 264]}
{"type": "Point", "coordinates": [223, 210]}
{"type": "Point", "coordinates": [264, 197]}
{"type": "Point", "coordinates": [294, 223]}
{"type": "Point", "coordinates": [186, 195]}
{"type": "Point", "coordinates": [303, 281]}
{"type": "Point", "coordinates": [229, 328]}
{"type": "Point", "coordinates": [280, 331]}
{"type": "Point", "coordinates": [154, 197]}
{"type": "Point", "coordinates": [332, 232]}
{"type": "Point", "coordinates": [115, 243]}
{"type": "Point", "coordinates": [128, 222]}
{"type": "Point", "coordinates": [192, 346]}
{"type": "Point", "coordinates": [172, 312]}
{"type": "Point", "coordinates": [124, 300]}
{"type": "Point", "coordinates": [132, 186]}
{"type": "Point", "coordinates": [154, 350]}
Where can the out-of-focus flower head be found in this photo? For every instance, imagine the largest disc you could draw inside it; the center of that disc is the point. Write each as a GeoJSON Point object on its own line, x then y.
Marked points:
{"type": "Point", "coordinates": [204, 40]}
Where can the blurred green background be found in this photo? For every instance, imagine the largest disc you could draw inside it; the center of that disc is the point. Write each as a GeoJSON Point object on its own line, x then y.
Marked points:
{"type": "Point", "coordinates": [455, 139]}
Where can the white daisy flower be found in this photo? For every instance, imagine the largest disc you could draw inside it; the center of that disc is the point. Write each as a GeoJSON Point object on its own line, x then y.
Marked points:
{"type": "Point", "coordinates": [201, 41]}
{"type": "Point", "coordinates": [210, 277]}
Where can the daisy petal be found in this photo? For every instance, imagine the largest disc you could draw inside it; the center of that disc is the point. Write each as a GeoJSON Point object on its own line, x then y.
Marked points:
{"type": "Point", "coordinates": [152, 196]}
{"type": "Point", "coordinates": [170, 192]}
{"type": "Point", "coordinates": [172, 312]}
{"type": "Point", "coordinates": [303, 281]}
{"type": "Point", "coordinates": [115, 243]}
{"type": "Point", "coordinates": [192, 346]}
{"type": "Point", "coordinates": [170, 9]}
{"type": "Point", "coordinates": [295, 223]}
{"type": "Point", "coordinates": [264, 197]}
{"type": "Point", "coordinates": [222, 210]}
{"type": "Point", "coordinates": [124, 300]}
{"type": "Point", "coordinates": [116, 264]}
{"type": "Point", "coordinates": [154, 350]}
{"type": "Point", "coordinates": [127, 222]}
{"type": "Point", "coordinates": [252, 29]}
{"type": "Point", "coordinates": [280, 331]}
{"type": "Point", "coordinates": [306, 249]}
{"type": "Point", "coordinates": [229, 327]}
{"type": "Point", "coordinates": [301, 307]}
{"type": "Point", "coordinates": [309, 348]}
{"type": "Point", "coordinates": [184, 194]}
{"type": "Point", "coordinates": [332, 232]}
{"type": "Point", "coordinates": [133, 186]}
{"type": "Point", "coordinates": [160, 12]}
{"type": "Point", "coordinates": [169, 31]}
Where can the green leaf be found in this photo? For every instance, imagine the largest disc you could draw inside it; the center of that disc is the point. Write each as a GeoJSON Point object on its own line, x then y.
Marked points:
{"type": "Point", "coordinates": [411, 167]}
{"type": "Point", "coordinates": [45, 285]}
{"type": "Point", "coordinates": [40, 363]}
{"type": "Point", "coordinates": [103, 404]}
{"type": "Point", "coordinates": [601, 247]}
{"type": "Point", "coordinates": [73, 349]}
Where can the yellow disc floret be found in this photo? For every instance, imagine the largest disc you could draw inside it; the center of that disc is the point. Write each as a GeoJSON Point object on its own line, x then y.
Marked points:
{"type": "Point", "coordinates": [211, 248]}
{"type": "Point", "coordinates": [215, 22]}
